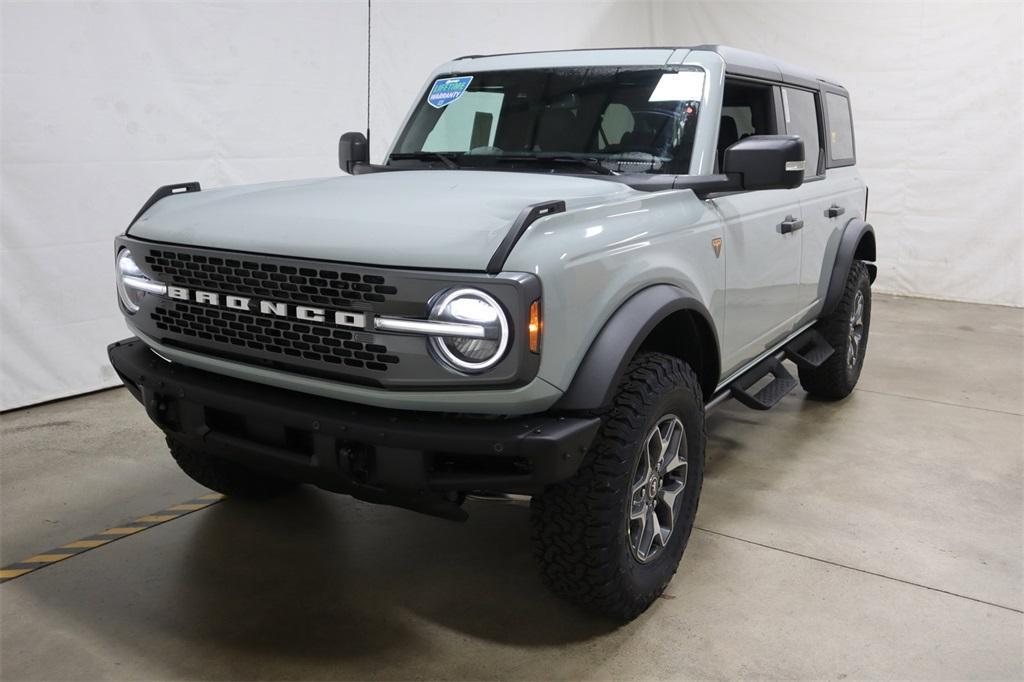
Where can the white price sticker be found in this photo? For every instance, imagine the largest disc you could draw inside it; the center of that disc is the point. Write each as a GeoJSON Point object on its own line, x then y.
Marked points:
{"type": "Point", "coordinates": [682, 86]}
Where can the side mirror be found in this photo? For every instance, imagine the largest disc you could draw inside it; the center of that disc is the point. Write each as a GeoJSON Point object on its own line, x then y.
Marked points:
{"type": "Point", "coordinates": [766, 161]}
{"type": "Point", "coordinates": [353, 149]}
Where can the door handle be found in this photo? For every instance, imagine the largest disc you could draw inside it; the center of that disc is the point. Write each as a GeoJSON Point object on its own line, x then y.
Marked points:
{"type": "Point", "coordinates": [834, 211]}
{"type": "Point", "coordinates": [791, 224]}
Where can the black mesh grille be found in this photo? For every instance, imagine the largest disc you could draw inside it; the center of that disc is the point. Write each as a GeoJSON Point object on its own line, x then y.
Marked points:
{"type": "Point", "coordinates": [323, 286]}
{"type": "Point", "coordinates": [205, 313]}
{"type": "Point", "coordinates": [273, 337]}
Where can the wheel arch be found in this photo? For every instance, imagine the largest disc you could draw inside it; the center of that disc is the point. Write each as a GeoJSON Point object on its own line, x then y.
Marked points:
{"type": "Point", "coordinates": [857, 243]}
{"type": "Point", "coordinates": [662, 318]}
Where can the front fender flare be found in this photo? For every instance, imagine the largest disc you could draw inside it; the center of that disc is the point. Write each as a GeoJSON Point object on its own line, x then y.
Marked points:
{"type": "Point", "coordinates": [598, 376]}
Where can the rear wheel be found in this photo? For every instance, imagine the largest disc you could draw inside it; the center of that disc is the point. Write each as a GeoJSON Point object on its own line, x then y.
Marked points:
{"type": "Point", "coordinates": [846, 330]}
{"type": "Point", "coordinates": [611, 537]}
{"type": "Point", "coordinates": [226, 477]}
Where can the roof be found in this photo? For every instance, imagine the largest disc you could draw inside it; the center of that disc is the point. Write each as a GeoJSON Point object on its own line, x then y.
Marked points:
{"type": "Point", "coordinates": [737, 61]}
{"type": "Point", "coordinates": [757, 65]}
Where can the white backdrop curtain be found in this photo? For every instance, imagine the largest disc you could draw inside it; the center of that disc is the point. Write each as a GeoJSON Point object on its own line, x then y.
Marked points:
{"type": "Point", "coordinates": [938, 101]}
{"type": "Point", "coordinates": [104, 102]}
{"type": "Point", "coordinates": [101, 102]}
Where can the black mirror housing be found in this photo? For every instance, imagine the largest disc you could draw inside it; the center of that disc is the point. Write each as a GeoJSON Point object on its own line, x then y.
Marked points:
{"type": "Point", "coordinates": [353, 149]}
{"type": "Point", "coordinates": [766, 161]}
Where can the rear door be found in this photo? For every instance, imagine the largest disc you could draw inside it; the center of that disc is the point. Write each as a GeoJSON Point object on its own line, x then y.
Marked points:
{"type": "Point", "coordinates": [832, 192]}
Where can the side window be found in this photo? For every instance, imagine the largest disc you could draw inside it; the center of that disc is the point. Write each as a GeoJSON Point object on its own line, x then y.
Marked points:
{"type": "Point", "coordinates": [840, 130]}
{"type": "Point", "coordinates": [801, 113]}
{"type": "Point", "coordinates": [747, 109]}
{"type": "Point", "coordinates": [466, 124]}
{"type": "Point", "coordinates": [742, 117]}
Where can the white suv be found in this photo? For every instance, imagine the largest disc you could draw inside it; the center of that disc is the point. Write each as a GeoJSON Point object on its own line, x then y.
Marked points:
{"type": "Point", "coordinates": [566, 259]}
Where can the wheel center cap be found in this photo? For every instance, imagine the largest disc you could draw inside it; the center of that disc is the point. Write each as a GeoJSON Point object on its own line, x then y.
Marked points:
{"type": "Point", "coordinates": [652, 487]}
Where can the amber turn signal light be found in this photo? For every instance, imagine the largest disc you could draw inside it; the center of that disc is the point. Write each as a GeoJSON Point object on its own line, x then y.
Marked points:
{"type": "Point", "coordinates": [535, 327]}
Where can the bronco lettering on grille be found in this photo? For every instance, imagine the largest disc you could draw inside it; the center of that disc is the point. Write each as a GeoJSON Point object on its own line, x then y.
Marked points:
{"type": "Point", "coordinates": [299, 312]}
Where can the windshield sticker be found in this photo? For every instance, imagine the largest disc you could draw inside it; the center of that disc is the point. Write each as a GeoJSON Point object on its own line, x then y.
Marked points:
{"type": "Point", "coordinates": [682, 86]}
{"type": "Point", "coordinates": [447, 90]}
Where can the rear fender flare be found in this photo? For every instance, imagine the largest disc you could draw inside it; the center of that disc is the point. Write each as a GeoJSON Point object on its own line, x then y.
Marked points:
{"type": "Point", "coordinates": [857, 243]}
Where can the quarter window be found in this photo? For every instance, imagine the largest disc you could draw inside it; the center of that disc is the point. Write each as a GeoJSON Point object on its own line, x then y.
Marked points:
{"type": "Point", "coordinates": [802, 119]}
{"type": "Point", "coordinates": [840, 128]}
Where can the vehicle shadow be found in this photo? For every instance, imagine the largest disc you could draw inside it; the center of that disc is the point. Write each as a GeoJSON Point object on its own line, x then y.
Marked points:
{"type": "Point", "coordinates": [320, 582]}
{"type": "Point", "coordinates": [314, 575]}
{"type": "Point", "coordinates": [734, 432]}
{"type": "Point", "coordinates": [319, 576]}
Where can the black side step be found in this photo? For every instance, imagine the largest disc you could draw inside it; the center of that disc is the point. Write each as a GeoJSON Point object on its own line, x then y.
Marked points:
{"type": "Point", "coordinates": [772, 393]}
{"type": "Point", "coordinates": [809, 350]}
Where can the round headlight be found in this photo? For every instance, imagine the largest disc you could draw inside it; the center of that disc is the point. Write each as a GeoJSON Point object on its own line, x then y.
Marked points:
{"type": "Point", "coordinates": [470, 307]}
{"type": "Point", "coordinates": [132, 282]}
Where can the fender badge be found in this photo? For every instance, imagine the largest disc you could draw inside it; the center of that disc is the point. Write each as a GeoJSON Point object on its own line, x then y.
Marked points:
{"type": "Point", "coordinates": [716, 244]}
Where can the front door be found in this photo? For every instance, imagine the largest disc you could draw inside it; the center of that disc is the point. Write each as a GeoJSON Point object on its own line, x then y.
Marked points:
{"type": "Point", "coordinates": [761, 243]}
{"type": "Point", "coordinates": [762, 271]}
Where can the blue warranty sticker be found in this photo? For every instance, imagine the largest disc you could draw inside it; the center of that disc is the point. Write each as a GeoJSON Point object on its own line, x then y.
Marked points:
{"type": "Point", "coordinates": [447, 90]}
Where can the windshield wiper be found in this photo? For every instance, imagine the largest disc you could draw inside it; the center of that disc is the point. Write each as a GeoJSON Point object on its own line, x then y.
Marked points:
{"type": "Point", "coordinates": [587, 162]}
{"type": "Point", "coordinates": [447, 160]}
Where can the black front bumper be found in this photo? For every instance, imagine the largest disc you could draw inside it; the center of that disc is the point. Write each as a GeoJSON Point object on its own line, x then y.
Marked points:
{"type": "Point", "coordinates": [419, 460]}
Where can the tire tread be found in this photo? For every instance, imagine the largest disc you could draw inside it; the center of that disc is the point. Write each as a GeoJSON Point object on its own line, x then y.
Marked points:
{"type": "Point", "coordinates": [831, 380]}
{"type": "Point", "coordinates": [571, 521]}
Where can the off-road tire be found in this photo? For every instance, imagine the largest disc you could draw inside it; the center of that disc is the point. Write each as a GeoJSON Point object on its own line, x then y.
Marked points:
{"type": "Point", "coordinates": [226, 477]}
{"type": "Point", "coordinates": [836, 378]}
{"type": "Point", "coordinates": [579, 527]}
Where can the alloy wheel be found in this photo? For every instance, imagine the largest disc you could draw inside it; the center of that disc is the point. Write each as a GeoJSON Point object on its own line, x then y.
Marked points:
{"type": "Point", "coordinates": [856, 330]}
{"type": "Point", "coordinates": [656, 491]}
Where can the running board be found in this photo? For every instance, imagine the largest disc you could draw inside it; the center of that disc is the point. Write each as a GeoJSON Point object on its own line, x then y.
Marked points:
{"type": "Point", "coordinates": [810, 350]}
{"type": "Point", "coordinates": [766, 398]}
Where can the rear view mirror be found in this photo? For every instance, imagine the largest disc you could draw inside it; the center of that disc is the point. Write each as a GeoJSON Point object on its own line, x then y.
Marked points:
{"type": "Point", "coordinates": [353, 149]}
{"type": "Point", "coordinates": [766, 161]}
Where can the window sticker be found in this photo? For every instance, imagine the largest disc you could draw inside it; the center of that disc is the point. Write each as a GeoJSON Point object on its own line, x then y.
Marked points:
{"type": "Point", "coordinates": [785, 104]}
{"type": "Point", "coordinates": [447, 90]}
{"type": "Point", "coordinates": [682, 86]}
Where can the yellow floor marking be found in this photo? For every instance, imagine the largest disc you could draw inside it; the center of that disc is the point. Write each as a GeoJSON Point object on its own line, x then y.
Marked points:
{"type": "Point", "coordinates": [54, 555]}
{"type": "Point", "coordinates": [156, 518]}
{"type": "Point", "coordinates": [14, 572]}
{"type": "Point", "coordinates": [44, 558]}
{"type": "Point", "coordinates": [188, 507]}
{"type": "Point", "coordinates": [120, 531]}
{"type": "Point", "coordinates": [84, 544]}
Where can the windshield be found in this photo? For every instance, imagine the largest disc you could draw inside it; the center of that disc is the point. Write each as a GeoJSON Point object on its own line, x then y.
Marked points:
{"type": "Point", "coordinates": [579, 119]}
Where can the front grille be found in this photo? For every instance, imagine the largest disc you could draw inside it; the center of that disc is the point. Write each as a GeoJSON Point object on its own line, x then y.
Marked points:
{"type": "Point", "coordinates": [323, 286]}
{"type": "Point", "coordinates": [273, 337]}
{"type": "Point", "coordinates": [254, 309]}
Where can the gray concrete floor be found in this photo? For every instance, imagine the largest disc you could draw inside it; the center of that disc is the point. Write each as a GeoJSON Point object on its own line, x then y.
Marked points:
{"type": "Point", "coordinates": [879, 537]}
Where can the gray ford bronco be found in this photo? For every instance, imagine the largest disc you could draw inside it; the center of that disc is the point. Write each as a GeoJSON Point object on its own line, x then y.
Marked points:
{"type": "Point", "coordinates": [564, 261]}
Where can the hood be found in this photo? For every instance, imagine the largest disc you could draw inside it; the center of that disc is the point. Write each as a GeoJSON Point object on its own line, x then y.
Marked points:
{"type": "Point", "coordinates": [436, 219]}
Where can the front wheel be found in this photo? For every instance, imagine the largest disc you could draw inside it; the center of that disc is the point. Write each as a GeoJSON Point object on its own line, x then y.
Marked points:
{"type": "Point", "coordinates": [611, 537]}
